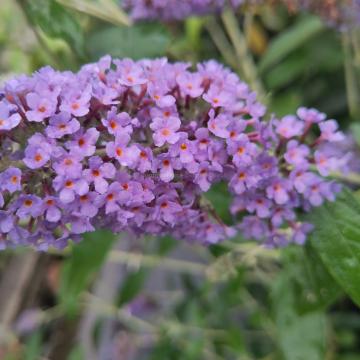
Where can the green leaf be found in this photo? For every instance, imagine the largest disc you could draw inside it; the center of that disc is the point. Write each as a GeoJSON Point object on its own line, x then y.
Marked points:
{"type": "Point", "coordinates": [289, 40]}
{"type": "Point", "coordinates": [287, 71]}
{"type": "Point", "coordinates": [136, 42]}
{"type": "Point", "coordinates": [165, 244]}
{"type": "Point", "coordinates": [300, 336]}
{"type": "Point", "coordinates": [131, 286]}
{"type": "Point", "coordinates": [220, 200]}
{"type": "Point", "coordinates": [337, 241]}
{"type": "Point", "coordinates": [106, 10]}
{"type": "Point", "coordinates": [286, 103]}
{"type": "Point", "coordinates": [193, 28]}
{"type": "Point", "coordinates": [56, 22]}
{"type": "Point", "coordinates": [85, 260]}
{"type": "Point", "coordinates": [33, 347]}
{"type": "Point", "coordinates": [77, 353]}
{"type": "Point", "coordinates": [313, 285]}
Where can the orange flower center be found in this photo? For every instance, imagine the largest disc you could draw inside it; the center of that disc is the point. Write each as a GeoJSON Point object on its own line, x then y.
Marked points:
{"type": "Point", "coordinates": [28, 202]}
{"type": "Point", "coordinates": [119, 151]}
{"type": "Point", "coordinates": [322, 161]}
{"type": "Point", "coordinates": [183, 146]}
{"type": "Point", "coordinates": [165, 132]}
{"type": "Point", "coordinates": [42, 109]}
{"type": "Point", "coordinates": [69, 184]}
{"type": "Point", "coordinates": [9, 98]}
{"type": "Point", "coordinates": [241, 150]}
{"type": "Point", "coordinates": [14, 179]}
{"type": "Point", "coordinates": [81, 142]}
{"type": "Point", "coordinates": [38, 157]}
{"type": "Point", "coordinates": [75, 106]}
{"type": "Point", "coordinates": [96, 172]}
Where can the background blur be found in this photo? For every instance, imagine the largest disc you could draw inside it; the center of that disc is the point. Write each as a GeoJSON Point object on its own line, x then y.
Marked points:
{"type": "Point", "coordinates": [122, 298]}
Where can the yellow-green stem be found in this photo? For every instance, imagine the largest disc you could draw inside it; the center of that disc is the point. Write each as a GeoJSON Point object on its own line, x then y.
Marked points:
{"type": "Point", "coordinates": [245, 60]}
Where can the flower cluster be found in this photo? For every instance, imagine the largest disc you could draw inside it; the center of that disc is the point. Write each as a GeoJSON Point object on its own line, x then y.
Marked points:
{"type": "Point", "coordinates": [175, 9]}
{"type": "Point", "coordinates": [134, 146]}
{"type": "Point", "coordinates": [336, 12]}
{"type": "Point", "coordinates": [341, 13]}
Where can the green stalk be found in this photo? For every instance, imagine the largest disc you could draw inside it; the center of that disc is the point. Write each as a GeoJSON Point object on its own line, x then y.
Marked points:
{"type": "Point", "coordinates": [138, 260]}
{"type": "Point", "coordinates": [352, 89]}
{"type": "Point", "coordinates": [221, 42]}
{"type": "Point", "coordinates": [244, 57]}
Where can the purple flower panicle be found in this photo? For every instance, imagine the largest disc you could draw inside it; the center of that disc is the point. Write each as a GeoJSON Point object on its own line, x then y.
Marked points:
{"type": "Point", "coordinates": [141, 158]}
{"type": "Point", "coordinates": [341, 13]}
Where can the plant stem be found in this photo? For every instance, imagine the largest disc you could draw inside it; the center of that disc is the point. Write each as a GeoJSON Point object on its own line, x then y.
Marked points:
{"type": "Point", "coordinates": [352, 89]}
{"type": "Point", "coordinates": [221, 42]}
{"type": "Point", "coordinates": [136, 260]}
{"type": "Point", "coordinates": [245, 60]}
{"type": "Point", "coordinates": [352, 178]}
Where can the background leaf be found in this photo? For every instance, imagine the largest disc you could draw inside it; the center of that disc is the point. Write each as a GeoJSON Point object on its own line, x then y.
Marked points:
{"type": "Point", "coordinates": [337, 241]}
{"type": "Point", "coordinates": [289, 40]}
{"type": "Point", "coordinates": [309, 279]}
{"type": "Point", "coordinates": [136, 42]}
{"type": "Point", "coordinates": [300, 336]}
{"type": "Point", "coordinates": [86, 258]}
{"type": "Point", "coordinates": [56, 22]}
{"type": "Point", "coordinates": [131, 286]}
{"type": "Point", "coordinates": [106, 10]}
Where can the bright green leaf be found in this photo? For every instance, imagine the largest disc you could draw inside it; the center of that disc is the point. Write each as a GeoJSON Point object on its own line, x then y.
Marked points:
{"type": "Point", "coordinates": [300, 336]}
{"type": "Point", "coordinates": [56, 22]}
{"type": "Point", "coordinates": [314, 287]}
{"type": "Point", "coordinates": [337, 240]}
{"type": "Point", "coordinates": [106, 10]}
